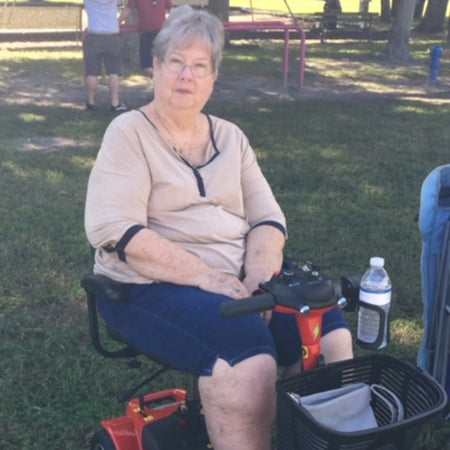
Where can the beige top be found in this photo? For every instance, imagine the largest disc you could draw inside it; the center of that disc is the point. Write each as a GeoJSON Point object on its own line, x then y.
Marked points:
{"type": "Point", "coordinates": [138, 178]}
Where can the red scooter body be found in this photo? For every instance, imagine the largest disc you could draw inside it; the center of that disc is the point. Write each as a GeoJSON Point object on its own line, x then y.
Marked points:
{"type": "Point", "coordinates": [126, 431]}
{"type": "Point", "coordinates": [310, 327]}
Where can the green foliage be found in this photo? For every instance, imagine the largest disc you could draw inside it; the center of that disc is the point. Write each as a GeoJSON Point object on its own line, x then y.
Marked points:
{"type": "Point", "coordinates": [347, 173]}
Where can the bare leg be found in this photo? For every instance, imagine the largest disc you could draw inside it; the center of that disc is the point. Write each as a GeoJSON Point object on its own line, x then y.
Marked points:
{"type": "Point", "coordinates": [240, 403]}
{"type": "Point", "coordinates": [149, 72]}
{"type": "Point", "coordinates": [337, 345]}
{"type": "Point", "coordinates": [114, 89]}
{"type": "Point", "coordinates": [90, 83]}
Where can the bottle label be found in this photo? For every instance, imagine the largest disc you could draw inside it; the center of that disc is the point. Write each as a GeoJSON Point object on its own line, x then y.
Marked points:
{"type": "Point", "coordinates": [375, 298]}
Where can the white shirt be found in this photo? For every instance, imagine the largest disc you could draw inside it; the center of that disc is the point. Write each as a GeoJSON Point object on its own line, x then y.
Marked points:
{"type": "Point", "coordinates": [102, 16]}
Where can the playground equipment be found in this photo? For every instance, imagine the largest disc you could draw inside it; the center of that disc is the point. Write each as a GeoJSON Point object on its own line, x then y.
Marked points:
{"type": "Point", "coordinates": [287, 28]}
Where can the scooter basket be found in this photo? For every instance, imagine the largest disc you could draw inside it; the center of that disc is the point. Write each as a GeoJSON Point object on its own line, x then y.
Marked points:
{"type": "Point", "coordinates": [422, 398]}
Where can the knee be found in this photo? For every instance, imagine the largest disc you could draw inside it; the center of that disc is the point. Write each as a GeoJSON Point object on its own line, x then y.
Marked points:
{"type": "Point", "coordinates": [249, 385]}
{"type": "Point", "coordinates": [257, 374]}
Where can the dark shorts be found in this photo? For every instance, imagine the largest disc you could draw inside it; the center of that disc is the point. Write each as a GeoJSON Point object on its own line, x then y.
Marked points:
{"type": "Point", "coordinates": [181, 326]}
{"type": "Point", "coordinates": [102, 48]}
{"type": "Point", "coordinates": [145, 48]}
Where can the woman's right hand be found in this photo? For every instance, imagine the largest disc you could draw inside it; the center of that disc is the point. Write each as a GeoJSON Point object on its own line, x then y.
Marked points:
{"type": "Point", "coordinates": [224, 284]}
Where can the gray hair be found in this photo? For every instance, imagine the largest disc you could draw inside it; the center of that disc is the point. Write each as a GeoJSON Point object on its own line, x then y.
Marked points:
{"type": "Point", "coordinates": [186, 24]}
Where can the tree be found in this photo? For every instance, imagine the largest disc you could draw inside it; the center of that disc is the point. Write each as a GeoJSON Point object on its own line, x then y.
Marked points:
{"type": "Point", "coordinates": [448, 34]}
{"type": "Point", "coordinates": [385, 15]}
{"type": "Point", "coordinates": [418, 10]}
{"type": "Point", "coordinates": [397, 49]}
{"type": "Point", "coordinates": [434, 18]}
{"type": "Point", "coordinates": [220, 8]}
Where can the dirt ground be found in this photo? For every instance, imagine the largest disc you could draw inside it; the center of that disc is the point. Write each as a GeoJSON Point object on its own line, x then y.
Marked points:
{"type": "Point", "coordinates": [53, 90]}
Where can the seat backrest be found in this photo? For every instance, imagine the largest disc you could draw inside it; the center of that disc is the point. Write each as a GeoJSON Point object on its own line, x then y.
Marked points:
{"type": "Point", "coordinates": [102, 286]}
{"type": "Point", "coordinates": [105, 287]}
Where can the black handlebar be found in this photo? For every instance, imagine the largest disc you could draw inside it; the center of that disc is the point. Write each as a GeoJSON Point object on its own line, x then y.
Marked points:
{"type": "Point", "coordinates": [257, 303]}
{"type": "Point", "coordinates": [299, 289]}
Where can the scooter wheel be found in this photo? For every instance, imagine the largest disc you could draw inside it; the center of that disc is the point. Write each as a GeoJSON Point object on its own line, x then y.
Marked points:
{"type": "Point", "coordinates": [101, 440]}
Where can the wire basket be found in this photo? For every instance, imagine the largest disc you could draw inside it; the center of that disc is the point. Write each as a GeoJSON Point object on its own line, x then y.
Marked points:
{"type": "Point", "coordinates": [422, 397]}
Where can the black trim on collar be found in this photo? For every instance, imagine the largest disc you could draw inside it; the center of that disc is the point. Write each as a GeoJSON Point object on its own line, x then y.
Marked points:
{"type": "Point", "coordinates": [195, 169]}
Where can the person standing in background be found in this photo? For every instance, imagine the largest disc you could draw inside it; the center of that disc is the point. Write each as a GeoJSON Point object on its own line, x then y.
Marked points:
{"type": "Point", "coordinates": [102, 45]}
{"type": "Point", "coordinates": [151, 15]}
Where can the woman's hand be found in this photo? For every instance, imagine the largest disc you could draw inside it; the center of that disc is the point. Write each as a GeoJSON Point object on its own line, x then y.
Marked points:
{"type": "Point", "coordinates": [252, 285]}
{"type": "Point", "coordinates": [230, 286]}
{"type": "Point", "coordinates": [263, 258]}
{"type": "Point", "coordinates": [221, 283]}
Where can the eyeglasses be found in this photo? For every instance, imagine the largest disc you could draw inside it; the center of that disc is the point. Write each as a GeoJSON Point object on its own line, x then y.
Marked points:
{"type": "Point", "coordinates": [199, 70]}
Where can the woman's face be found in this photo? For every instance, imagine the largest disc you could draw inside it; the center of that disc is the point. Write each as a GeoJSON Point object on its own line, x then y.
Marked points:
{"type": "Point", "coordinates": [184, 79]}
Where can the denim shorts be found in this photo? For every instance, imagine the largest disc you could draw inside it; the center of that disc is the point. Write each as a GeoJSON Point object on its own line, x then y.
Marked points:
{"type": "Point", "coordinates": [181, 326]}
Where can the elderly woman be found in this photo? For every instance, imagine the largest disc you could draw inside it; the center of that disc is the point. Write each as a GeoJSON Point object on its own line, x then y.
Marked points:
{"type": "Point", "coordinates": [180, 213]}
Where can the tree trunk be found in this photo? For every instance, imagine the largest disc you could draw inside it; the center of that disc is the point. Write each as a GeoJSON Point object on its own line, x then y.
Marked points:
{"type": "Point", "coordinates": [448, 31]}
{"type": "Point", "coordinates": [364, 6]}
{"type": "Point", "coordinates": [397, 49]}
{"type": "Point", "coordinates": [385, 11]}
{"type": "Point", "coordinates": [418, 10]}
{"type": "Point", "coordinates": [220, 8]}
{"type": "Point", "coordinates": [434, 18]}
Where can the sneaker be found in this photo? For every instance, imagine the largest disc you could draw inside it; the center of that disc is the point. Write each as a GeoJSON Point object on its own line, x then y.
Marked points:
{"type": "Point", "coordinates": [121, 107]}
{"type": "Point", "coordinates": [90, 107]}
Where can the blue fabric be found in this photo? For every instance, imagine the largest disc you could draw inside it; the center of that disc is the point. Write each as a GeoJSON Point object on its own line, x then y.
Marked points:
{"type": "Point", "coordinates": [182, 327]}
{"type": "Point", "coordinates": [434, 215]}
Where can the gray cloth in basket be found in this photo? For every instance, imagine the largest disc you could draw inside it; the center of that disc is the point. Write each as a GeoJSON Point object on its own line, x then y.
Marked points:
{"type": "Point", "coordinates": [343, 409]}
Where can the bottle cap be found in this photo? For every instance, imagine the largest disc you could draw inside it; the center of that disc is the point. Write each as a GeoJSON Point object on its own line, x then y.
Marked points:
{"type": "Point", "coordinates": [377, 261]}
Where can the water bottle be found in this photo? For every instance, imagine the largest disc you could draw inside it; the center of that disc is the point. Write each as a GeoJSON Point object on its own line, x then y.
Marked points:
{"type": "Point", "coordinates": [373, 309]}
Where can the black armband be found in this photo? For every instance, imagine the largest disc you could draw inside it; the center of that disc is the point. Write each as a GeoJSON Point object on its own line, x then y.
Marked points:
{"type": "Point", "coordinates": [123, 242]}
{"type": "Point", "coordinates": [272, 223]}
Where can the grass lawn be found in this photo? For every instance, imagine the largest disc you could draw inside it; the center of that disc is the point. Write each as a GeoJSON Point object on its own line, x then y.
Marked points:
{"type": "Point", "coordinates": [347, 173]}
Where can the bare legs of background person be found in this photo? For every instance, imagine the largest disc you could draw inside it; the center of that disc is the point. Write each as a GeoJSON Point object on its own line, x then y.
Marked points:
{"type": "Point", "coordinates": [335, 346]}
{"type": "Point", "coordinates": [149, 72]}
{"type": "Point", "coordinates": [240, 402]}
{"type": "Point", "coordinates": [114, 89]}
{"type": "Point", "coordinates": [91, 83]}
{"type": "Point", "coordinates": [91, 88]}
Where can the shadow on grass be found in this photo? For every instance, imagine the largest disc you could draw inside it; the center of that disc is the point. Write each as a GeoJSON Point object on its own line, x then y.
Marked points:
{"type": "Point", "coordinates": [347, 174]}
